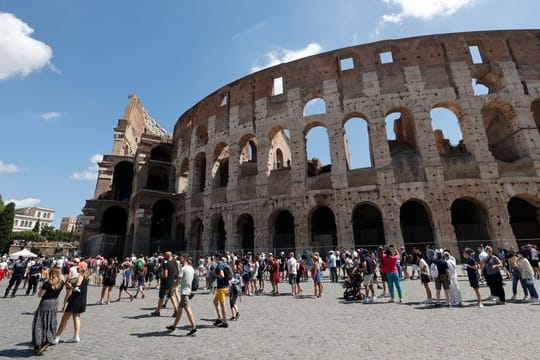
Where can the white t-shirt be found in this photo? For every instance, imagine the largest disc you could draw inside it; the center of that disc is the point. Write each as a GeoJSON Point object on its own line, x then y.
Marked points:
{"type": "Point", "coordinates": [187, 274]}
{"type": "Point", "coordinates": [482, 256]}
{"type": "Point", "coordinates": [3, 265]}
{"type": "Point", "coordinates": [291, 266]}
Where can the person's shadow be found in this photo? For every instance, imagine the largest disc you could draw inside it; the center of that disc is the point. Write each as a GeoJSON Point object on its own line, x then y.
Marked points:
{"type": "Point", "coordinates": [16, 353]}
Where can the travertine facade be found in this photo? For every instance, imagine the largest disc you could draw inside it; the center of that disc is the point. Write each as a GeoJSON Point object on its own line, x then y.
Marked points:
{"type": "Point", "coordinates": [236, 175]}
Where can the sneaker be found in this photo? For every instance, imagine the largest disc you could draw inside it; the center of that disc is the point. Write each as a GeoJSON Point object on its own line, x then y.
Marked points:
{"type": "Point", "coordinates": [155, 313]}
{"type": "Point", "coordinates": [218, 322]}
{"type": "Point", "coordinates": [74, 339]}
{"type": "Point", "coordinates": [533, 300]}
{"type": "Point", "coordinates": [513, 298]}
{"type": "Point", "coordinates": [525, 298]}
{"type": "Point", "coordinates": [223, 325]}
{"type": "Point", "coordinates": [480, 305]}
{"type": "Point", "coordinates": [192, 332]}
{"type": "Point", "coordinates": [56, 340]}
{"type": "Point", "coordinates": [171, 327]}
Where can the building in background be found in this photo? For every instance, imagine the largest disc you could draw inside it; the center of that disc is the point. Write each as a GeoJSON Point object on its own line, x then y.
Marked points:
{"type": "Point", "coordinates": [26, 218]}
{"type": "Point", "coordinates": [68, 224]}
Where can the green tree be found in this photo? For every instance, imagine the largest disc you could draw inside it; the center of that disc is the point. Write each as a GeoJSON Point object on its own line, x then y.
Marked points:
{"type": "Point", "coordinates": [48, 232]}
{"type": "Point", "coordinates": [1, 204]}
{"type": "Point", "coordinates": [27, 235]}
{"type": "Point", "coordinates": [36, 227]}
{"type": "Point", "coordinates": [6, 226]}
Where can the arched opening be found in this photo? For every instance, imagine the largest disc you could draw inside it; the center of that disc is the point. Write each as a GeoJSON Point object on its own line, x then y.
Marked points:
{"type": "Point", "coordinates": [160, 232]}
{"type": "Point", "coordinates": [196, 235]}
{"type": "Point", "coordinates": [158, 179]}
{"type": "Point", "coordinates": [323, 230]}
{"type": "Point", "coordinates": [161, 152]}
{"type": "Point", "coordinates": [122, 181]}
{"type": "Point", "coordinates": [183, 178]}
{"type": "Point", "coordinates": [368, 226]}
{"type": "Point", "coordinates": [400, 131]}
{"type": "Point", "coordinates": [220, 171]}
{"type": "Point", "coordinates": [201, 136]}
{"type": "Point", "coordinates": [113, 227]}
{"type": "Point", "coordinates": [317, 151]}
{"type": "Point", "coordinates": [283, 234]}
{"type": "Point", "coordinates": [415, 225]}
{"type": "Point", "coordinates": [535, 109]}
{"type": "Point", "coordinates": [279, 156]}
{"type": "Point", "coordinates": [219, 235]}
{"type": "Point", "coordinates": [181, 244]}
{"type": "Point", "coordinates": [470, 223]}
{"type": "Point", "coordinates": [357, 144]}
{"type": "Point", "coordinates": [248, 152]}
{"type": "Point", "coordinates": [503, 141]}
{"type": "Point", "coordinates": [524, 219]}
{"type": "Point", "coordinates": [447, 132]}
{"type": "Point", "coordinates": [315, 106]}
{"type": "Point", "coordinates": [245, 226]}
{"type": "Point", "coordinates": [199, 173]}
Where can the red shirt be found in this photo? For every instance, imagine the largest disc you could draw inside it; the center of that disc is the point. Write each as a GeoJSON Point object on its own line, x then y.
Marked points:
{"type": "Point", "coordinates": [388, 264]}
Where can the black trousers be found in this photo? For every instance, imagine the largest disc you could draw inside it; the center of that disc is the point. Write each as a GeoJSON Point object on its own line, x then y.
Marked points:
{"type": "Point", "coordinates": [15, 280]}
{"type": "Point", "coordinates": [333, 274]}
{"type": "Point", "coordinates": [495, 283]}
{"type": "Point", "coordinates": [32, 284]}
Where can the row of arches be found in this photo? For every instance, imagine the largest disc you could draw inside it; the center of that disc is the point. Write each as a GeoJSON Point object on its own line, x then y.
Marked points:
{"type": "Point", "coordinates": [469, 219]}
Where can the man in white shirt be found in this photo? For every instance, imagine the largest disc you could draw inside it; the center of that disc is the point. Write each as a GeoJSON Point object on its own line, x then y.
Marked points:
{"type": "Point", "coordinates": [185, 279]}
{"type": "Point", "coordinates": [292, 268]}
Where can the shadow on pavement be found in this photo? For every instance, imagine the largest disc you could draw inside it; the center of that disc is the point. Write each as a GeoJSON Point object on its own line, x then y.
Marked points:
{"type": "Point", "coordinates": [152, 334]}
{"type": "Point", "coordinates": [142, 316]}
{"type": "Point", "coordinates": [16, 353]}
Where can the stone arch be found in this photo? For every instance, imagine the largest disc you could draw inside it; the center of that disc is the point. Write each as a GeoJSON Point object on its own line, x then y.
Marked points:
{"type": "Point", "coordinates": [315, 106]}
{"type": "Point", "coordinates": [497, 118]}
{"type": "Point", "coordinates": [199, 173]}
{"type": "Point", "coordinates": [470, 221]}
{"type": "Point", "coordinates": [446, 121]}
{"type": "Point", "coordinates": [368, 225]}
{"type": "Point", "coordinates": [318, 157]}
{"type": "Point", "coordinates": [283, 230]}
{"type": "Point", "coordinates": [359, 152]}
{"type": "Point", "coordinates": [416, 224]}
{"type": "Point", "coordinates": [196, 235]}
{"type": "Point", "coordinates": [245, 228]}
{"type": "Point", "coordinates": [248, 148]}
{"type": "Point", "coordinates": [218, 236]}
{"type": "Point", "coordinates": [220, 169]}
{"type": "Point", "coordinates": [524, 212]}
{"type": "Point", "coordinates": [401, 120]}
{"type": "Point", "coordinates": [323, 229]}
{"type": "Point", "coordinates": [122, 184]}
{"type": "Point", "coordinates": [279, 137]}
{"type": "Point", "coordinates": [162, 152]}
{"type": "Point", "coordinates": [161, 228]}
{"type": "Point", "coordinates": [183, 177]}
{"type": "Point", "coordinates": [158, 178]}
{"type": "Point", "coordinates": [535, 109]}
{"type": "Point", "coordinates": [201, 135]}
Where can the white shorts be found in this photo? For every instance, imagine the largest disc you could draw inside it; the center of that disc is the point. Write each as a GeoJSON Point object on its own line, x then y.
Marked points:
{"type": "Point", "coordinates": [368, 280]}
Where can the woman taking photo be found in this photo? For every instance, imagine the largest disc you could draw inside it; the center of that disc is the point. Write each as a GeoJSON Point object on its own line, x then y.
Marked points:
{"type": "Point", "coordinates": [76, 305]}
{"type": "Point", "coordinates": [389, 267]}
{"type": "Point", "coordinates": [316, 273]}
{"type": "Point", "coordinates": [45, 322]}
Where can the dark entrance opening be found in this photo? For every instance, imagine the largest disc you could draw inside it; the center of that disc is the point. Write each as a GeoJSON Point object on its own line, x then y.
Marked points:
{"type": "Point", "coordinates": [200, 173]}
{"type": "Point", "coordinates": [196, 235]}
{"type": "Point", "coordinates": [368, 227]}
{"type": "Point", "coordinates": [222, 175]}
{"type": "Point", "coordinates": [122, 181]}
{"type": "Point", "coordinates": [160, 233]}
{"type": "Point", "coordinates": [246, 232]}
{"type": "Point", "coordinates": [524, 221]}
{"type": "Point", "coordinates": [161, 152]}
{"type": "Point", "coordinates": [180, 237]}
{"type": "Point", "coordinates": [415, 225]}
{"type": "Point", "coordinates": [158, 179]}
{"type": "Point", "coordinates": [113, 228]}
{"type": "Point", "coordinates": [283, 225]}
{"type": "Point", "coordinates": [323, 230]}
{"type": "Point", "coordinates": [219, 235]}
{"type": "Point", "coordinates": [470, 224]}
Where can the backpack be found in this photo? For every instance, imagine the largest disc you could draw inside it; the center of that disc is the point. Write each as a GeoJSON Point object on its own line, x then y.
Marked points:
{"type": "Point", "coordinates": [139, 264]}
{"type": "Point", "coordinates": [195, 282]}
{"type": "Point", "coordinates": [227, 272]}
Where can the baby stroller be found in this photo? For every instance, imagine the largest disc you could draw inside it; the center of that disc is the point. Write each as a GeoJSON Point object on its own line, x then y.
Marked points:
{"type": "Point", "coordinates": [352, 286]}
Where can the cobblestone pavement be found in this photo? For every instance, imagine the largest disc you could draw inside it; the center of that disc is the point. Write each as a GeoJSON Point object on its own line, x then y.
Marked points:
{"type": "Point", "coordinates": [287, 327]}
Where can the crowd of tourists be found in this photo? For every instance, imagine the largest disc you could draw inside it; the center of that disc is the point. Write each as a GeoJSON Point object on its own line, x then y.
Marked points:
{"type": "Point", "coordinates": [229, 275]}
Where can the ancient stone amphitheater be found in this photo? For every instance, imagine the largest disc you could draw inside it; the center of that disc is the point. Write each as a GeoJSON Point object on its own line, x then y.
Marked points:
{"type": "Point", "coordinates": [235, 173]}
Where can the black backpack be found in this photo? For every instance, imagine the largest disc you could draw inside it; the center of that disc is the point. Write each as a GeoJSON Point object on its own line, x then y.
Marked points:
{"type": "Point", "coordinates": [227, 272]}
{"type": "Point", "coordinates": [195, 282]}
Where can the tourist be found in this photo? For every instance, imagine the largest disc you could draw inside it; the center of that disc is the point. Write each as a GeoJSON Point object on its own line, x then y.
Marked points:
{"type": "Point", "coordinates": [316, 274]}
{"type": "Point", "coordinates": [126, 278]}
{"type": "Point", "coordinates": [300, 271]}
{"type": "Point", "coordinates": [167, 283]}
{"type": "Point", "coordinates": [18, 273]}
{"type": "Point", "coordinates": [76, 305]}
{"type": "Point", "coordinates": [141, 277]}
{"type": "Point", "coordinates": [527, 273]}
{"type": "Point", "coordinates": [45, 317]}
{"type": "Point", "coordinates": [381, 270]}
{"type": "Point", "coordinates": [455, 292]}
{"type": "Point", "coordinates": [254, 272]}
{"type": "Point", "coordinates": [494, 279]}
{"type": "Point", "coordinates": [292, 271]}
{"type": "Point", "coordinates": [221, 291]}
{"type": "Point", "coordinates": [332, 266]}
{"type": "Point", "coordinates": [404, 264]}
{"type": "Point", "coordinates": [71, 277]}
{"type": "Point", "coordinates": [470, 264]}
{"type": "Point", "coordinates": [389, 267]}
{"type": "Point", "coordinates": [512, 260]}
{"type": "Point", "coordinates": [414, 262]}
{"type": "Point", "coordinates": [109, 280]}
{"type": "Point", "coordinates": [3, 268]}
{"type": "Point", "coordinates": [423, 271]}
{"type": "Point", "coordinates": [368, 266]}
{"type": "Point", "coordinates": [235, 290]}
{"type": "Point", "coordinates": [439, 270]}
{"type": "Point", "coordinates": [282, 266]}
{"type": "Point", "coordinates": [186, 276]}
{"type": "Point", "coordinates": [247, 270]}
{"type": "Point", "coordinates": [273, 266]}
{"type": "Point", "coordinates": [260, 272]}
{"type": "Point", "coordinates": [34, 274]}
{"type": "Point", "coordinates": [533, 256]}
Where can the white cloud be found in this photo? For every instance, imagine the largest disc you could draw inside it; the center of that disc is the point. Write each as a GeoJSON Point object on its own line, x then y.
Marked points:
{"type": "Point", "coordinates": [423, 9]}
{"type": "Point", "coordinates": [28, 202]}
{"type": "Point", "coordinates": [90, 173]}
{"type": "Point", "coordinates": [8, 168]}
{"type": "Point", "coordinates": [21, 54]}
{"type": "Point", "coordinates": [276, 57]}
{"type": "Point", "coordinates": [51, 115]}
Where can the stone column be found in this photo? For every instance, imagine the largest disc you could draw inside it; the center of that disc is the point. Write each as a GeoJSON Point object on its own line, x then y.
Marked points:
{"type": "Point", "coordinates": [234, 171]}
{"type": "Point", "coordinates": [336, 137]}
{"type": "Point", "coordinates": [298, 162]}
{"type": "Point", "coordinates": [382, 160]}
{"type": "Point", "coordinates": [425, 142]}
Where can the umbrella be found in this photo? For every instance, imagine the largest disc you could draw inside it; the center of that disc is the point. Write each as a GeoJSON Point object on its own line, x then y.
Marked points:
{"type": "Point", "coordinates": [24, 253]}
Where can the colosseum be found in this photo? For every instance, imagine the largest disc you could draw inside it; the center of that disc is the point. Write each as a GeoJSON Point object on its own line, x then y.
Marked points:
{"type": "Point", "coordinates": [235, 174]}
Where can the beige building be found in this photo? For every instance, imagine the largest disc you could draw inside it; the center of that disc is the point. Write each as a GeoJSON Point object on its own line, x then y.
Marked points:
{"type": "Point", "coordinates": [68, 224]}
{"type": "Point", "coordinates": [26, 218]}
{"type": "Point", "coordinates": [235, 174]}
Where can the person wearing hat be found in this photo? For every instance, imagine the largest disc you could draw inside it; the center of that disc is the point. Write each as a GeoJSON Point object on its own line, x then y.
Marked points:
{"type": "Point", "coordinates": [76, 304]}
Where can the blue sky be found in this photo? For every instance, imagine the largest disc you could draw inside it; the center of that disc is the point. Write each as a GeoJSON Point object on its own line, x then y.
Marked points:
{"type": "Point", "coordinates": [62, 93]}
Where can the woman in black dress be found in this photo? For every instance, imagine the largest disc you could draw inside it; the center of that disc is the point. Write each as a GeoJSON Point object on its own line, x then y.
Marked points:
{"type": "Point", "coordinates": [109, 280]}
{"type": "Point", "coordinates": [76, 304]}
{"type": "Point", "coordinates": [45, 321]}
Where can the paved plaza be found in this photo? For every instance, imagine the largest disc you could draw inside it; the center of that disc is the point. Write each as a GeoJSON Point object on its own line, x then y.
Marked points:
{"type": "Point", "coordinates": [287, 327]}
